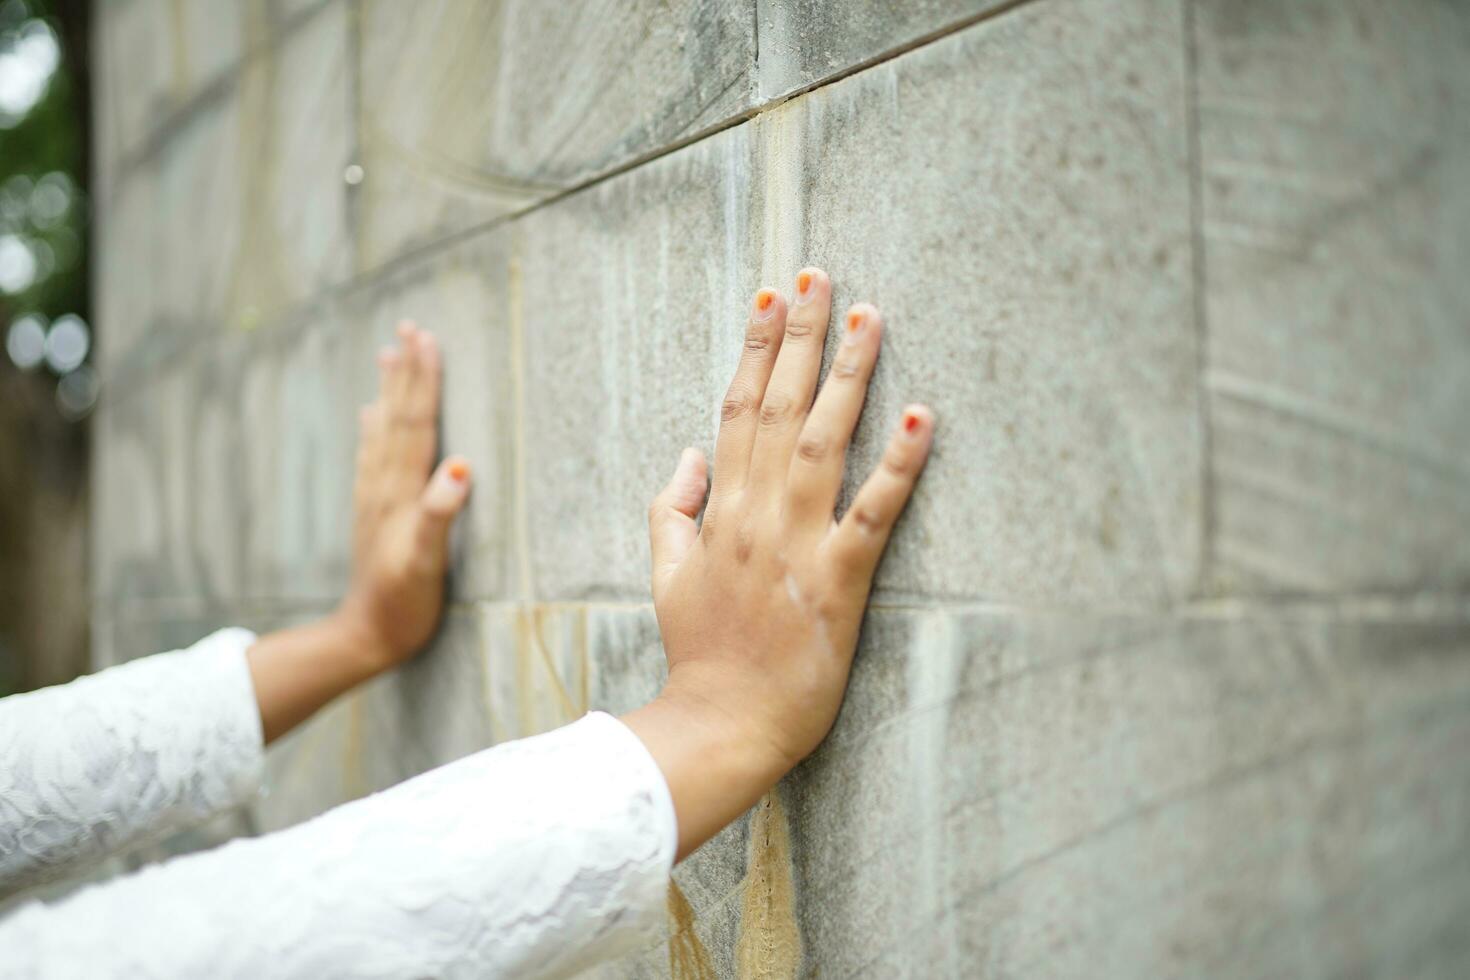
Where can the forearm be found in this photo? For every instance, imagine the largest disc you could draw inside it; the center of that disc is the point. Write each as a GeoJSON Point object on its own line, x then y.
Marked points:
{"type": "Point", "coordinates": [125, 755]}
{"type": "Point", "coordinates": [296, 671]}
{"type": "Point", "coordinates": [535, 858]}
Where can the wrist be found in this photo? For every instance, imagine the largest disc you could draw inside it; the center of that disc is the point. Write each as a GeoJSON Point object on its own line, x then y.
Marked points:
{"type": "Point", "coordinates": [358, 639]}
{"type": "Point", "coordinates": [730, 722]}
{"type": "Point", "coordinates": [716, 762]}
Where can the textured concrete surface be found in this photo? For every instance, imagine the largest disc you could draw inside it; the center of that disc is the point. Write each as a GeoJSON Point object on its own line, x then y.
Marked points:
{"type": "Point", "coordinates": [1168, 671]}
{"type": "Point", "coordinates": [1335, 143]}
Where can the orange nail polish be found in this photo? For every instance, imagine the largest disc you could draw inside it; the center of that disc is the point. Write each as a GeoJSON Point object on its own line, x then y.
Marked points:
{"type": "Point", "coordinates": [803, 282]}
{"type": "Point", "coordinates": [765, 303]}
{"type": "Point", "coordinates": [910, 422]}
{"type": "Point", "coordinates": [460, 470]}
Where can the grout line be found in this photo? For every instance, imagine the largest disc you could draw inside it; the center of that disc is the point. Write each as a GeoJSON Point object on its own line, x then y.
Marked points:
{"type": "Point", "coordinates": [1423, 605]}
{"type": "Point", "coordinates": [1208, 518]}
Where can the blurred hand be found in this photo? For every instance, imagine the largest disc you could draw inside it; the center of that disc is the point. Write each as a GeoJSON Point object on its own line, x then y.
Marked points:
{"type": "Point", "coordinates": [760, 606]}
{"type": "Point", "coordinates": [400, 547]}
{"type": "Point", "coordinates": [401, 512]}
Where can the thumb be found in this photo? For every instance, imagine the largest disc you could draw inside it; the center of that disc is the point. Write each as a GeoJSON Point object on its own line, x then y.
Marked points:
{"type": "Point", "coordinates": [445, 495]}
{"type": "Point", "coordinates": [671, 527]}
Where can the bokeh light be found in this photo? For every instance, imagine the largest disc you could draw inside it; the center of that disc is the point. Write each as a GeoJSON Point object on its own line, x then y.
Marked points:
{"type": "Point", "coordinates": [17, 264]}
{"type": "Point", "coordinates": [50, 199]}
{"type": "Point", "coordinates": [76, 394]}
{"type": "Point", "coordinates": [67, 343]}
{"type": "Point", "coordinates": [25, 342]}
{"type": "Point", "coordinates": [29, 56]}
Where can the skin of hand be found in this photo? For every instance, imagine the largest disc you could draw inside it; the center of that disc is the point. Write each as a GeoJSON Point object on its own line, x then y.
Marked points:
{"type": "Point", "coordinates": [760, 605]}
{"type": "Point", "coordinates": [403, 508]}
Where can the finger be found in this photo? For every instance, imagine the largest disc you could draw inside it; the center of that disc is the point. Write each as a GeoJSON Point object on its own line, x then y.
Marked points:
{"type": "Point", "coordinates": [422, 401]}
{"type": "Point", "coordinates": [404, 361]}
{"type": "Point", "coordinates": [366, 497]}
{"type": "Point", "coordinates": [444, 498]}
{"type": "Point", "coordinates": [743, 397]}
{"type": "Point", "coordinates": [858, 541]}
{"type": "Point", "coordinates": [671, 527]}
{"type": "Point", "coordinates": [788, 395]}
{"type": "Point", "coordinates": [821, 449]}
{"type": "Point", "coordinates": [370, 439]}
{"type": "Point", "coordinates": [390, 365]}
{"type": "Point", "coordinates": [411, 431]}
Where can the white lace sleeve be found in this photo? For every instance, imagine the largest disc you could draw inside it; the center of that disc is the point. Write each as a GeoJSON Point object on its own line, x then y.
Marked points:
{"type": "Point", "coordinates": [536, 858]}
{"type": "Point", "coordinates": [118, 757]}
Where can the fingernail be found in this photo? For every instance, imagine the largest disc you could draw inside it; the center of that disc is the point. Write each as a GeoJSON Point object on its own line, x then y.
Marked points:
{"type": "Point", "coordinates": [460, 470]}
{"type": "Point", "coordinates": [804, 282]}
{"type": "Point", "coordinates": [765, 304]}
{"type": "Point", "coordinates": [856, 320]}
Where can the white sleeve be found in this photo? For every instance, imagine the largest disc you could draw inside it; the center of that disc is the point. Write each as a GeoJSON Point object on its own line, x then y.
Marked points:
{"type": "Point", "coordinates": [536, 858]}
{"type": "Point", "coordinates": [128, 754]}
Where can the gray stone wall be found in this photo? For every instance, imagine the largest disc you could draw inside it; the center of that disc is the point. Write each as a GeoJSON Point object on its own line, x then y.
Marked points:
{"type": "Point", "coordinates": [1168, 668]}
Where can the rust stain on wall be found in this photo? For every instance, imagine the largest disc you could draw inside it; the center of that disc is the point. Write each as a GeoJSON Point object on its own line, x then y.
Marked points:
{"type": "Point", "coordinates": [688, 959]}
{"type": "Point", "coordinates": [769, 946]}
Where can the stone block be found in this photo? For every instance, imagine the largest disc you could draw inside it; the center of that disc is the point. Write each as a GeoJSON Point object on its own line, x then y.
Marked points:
{"type": "Point", "coordinates": [429, 712]}
{"type": "Point", "coordinates": [152, 58]}
{"type": "Point", "coordinates": [1032, 259]}
{"type": "Point", "coordinates": [473, 111]}
{"type": "Point", "coordinates": [240, 215]}
{"type": "Point", "coordinates": [140, 534]}
{"type": "Point", "coordinates": [462, 295]}
{"type": "Point", "coordinates": [803, 42]}
{"type": "Point", "coordinates": [634, 296]}
{"type": "Point", "coordinates": [1014, 198]}
{"type": "Point", "coordinates": [310, 452]}
{"type": "Point", "coordinates": [1335, 152]}
{"type": "Point", "coordinates": [1128, 795]}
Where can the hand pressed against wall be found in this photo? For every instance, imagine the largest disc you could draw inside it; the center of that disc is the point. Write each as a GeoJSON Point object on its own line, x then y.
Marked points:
{"type": "Point", "coordinates": [400, 544]}
{"type": "Point", "coordinates": [402, 513]}
{"type": "Point", "coordinates": [760, 606]}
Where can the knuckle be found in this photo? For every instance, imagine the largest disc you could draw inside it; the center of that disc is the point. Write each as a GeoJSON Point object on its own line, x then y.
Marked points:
{"type": "Point", "coordinates": [777, 409]}
{"type": "Point", "coordinates": [737, 405]}
{"type": "Point", "coordinates": [798, 327]}
{"type": "Point", "coordinates": [813, 447]}
{"type": "Point", "coordinates": [756, 343]}
{"type": "Point", "coordinates": [898, 465]}
{"type": "Point", "coordinates": [846, 368]}
{"type": "Point", "coordinates": [744, 544]}
{"type": "Point", "coordinates": [867, 518]}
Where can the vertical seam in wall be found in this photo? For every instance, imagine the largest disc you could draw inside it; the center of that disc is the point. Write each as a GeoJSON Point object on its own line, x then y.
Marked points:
{"type": "Point", "coordinates": [355, 210]}
{"type": "Point", "coordinates": [755, 38]}
{"type": "Point", "coordinates": [522, 545]}
{"type": "Point", "coordinates": [1197, 286]}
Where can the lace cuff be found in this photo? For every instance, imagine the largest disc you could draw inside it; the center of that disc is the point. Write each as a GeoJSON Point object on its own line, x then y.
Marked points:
{"type": "Point", "coordinates": [131, 753]}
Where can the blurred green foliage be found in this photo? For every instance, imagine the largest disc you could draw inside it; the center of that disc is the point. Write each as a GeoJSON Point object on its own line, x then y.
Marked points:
{"type": "Point", "coordinates": [48, 140]}
{"type": "Point", "coordinates": [44, 214]}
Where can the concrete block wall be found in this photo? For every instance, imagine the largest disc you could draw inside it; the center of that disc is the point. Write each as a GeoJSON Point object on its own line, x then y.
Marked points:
{"type": "Point", "coordinates": [1168, 667]}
